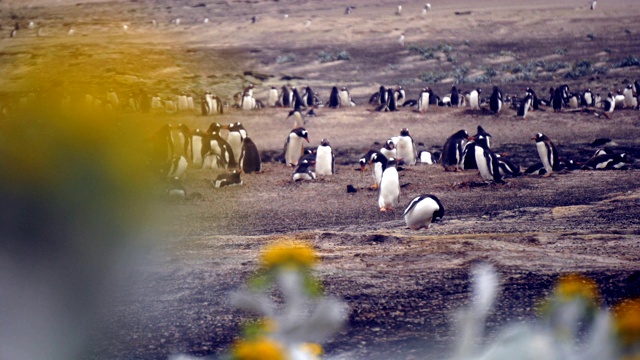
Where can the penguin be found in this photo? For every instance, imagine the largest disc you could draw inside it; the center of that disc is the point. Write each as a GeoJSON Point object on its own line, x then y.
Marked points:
{"type": "Point", "coordinates": [453, 149]}
{"type": "Point", "coordinates": [248, 101]}
{"type": "Point", "coordinates": [297, 102]}
{"type": "Point", "coordinates": [177, 168]}
{"type": "Point", "coordinates": [334, 98]}
{"type": "Point", "coordinates": [547, 153]}
{"type": "Point", "coordinates": [175, 190]}
{"type": "Point", "coordinates": [285, 97]}
{"type": "Point", "coordinates": [588, 98]}
{"type": "Point", "coordinates": [309, 98]}
{"type": "Point", "coordinates": [597, 100]}
{"type": "Point", "coordinates": [593, 4]}
{"type": "Point", "coordinates": [434, 99]}
{"type": "Point", "coordinates": [607, 161]}
{"type": "Point", "coordinates": [345, 98]}
{"type": "Point", "coordinates": [487, 161]}
{"type": "Point", "coordinates": [609, 104]}
{"type": "Point", "coordinates": [389, 149]}
{"type": "Point", "coordinates": [112, 98]}
{"type": "Point", "coordinates": [250, 157]}
{"type": "Point", "coordinates": [557, 99]}
{"type": "Point", "coordinates": [573, 101]}
{"type": "Point", "coordinates": [423, 100]}
{"type": "Point", "coordinates": [221, 147]}
{"type": "Point", "coordinates": [422, 211]}
{"type": "Point", "coordinates": [425, 157]}
{"type": "Point", "coordinates": [507, 169]}
{"type": "Point", "coordinates": [227, 179]}
{"type": "Point", "coordinates": [272, 99]}
{"type": "Point", "coordinates": [379, 97]}
{"type": "Point", "coordinates": [399, 10]}
{"type": "Point", "coordinates": [474, 99]}
{"type": "Point", "coordinates": [495, 102]}
{"type": "Point", "coordinates": [628, 96]}
{"type": "Point", "coordinates": [400, 93]}
{"type": "Point", "coordinates": [378, 163]}
{"type": "Point", "coordinates": [298, 119]}
{"type": "Point", "coordinates": [195, 151]}
{"type": "Point", "coordinates": [325, 159]}
{"type": "Point", "coordinates": [535, 169]}
{"type": "Point", "coordinates": [180, 138]}
{"type": "Point", "coordinates": [406, 148]}
{"type": "Point", "coordinates": [389, 190]}
{"type": "Point", "coordinates": [236, 136]}
{"type": "Point", "coordinates": [469, 155]}
{"type": "Point", "coordinates": [183, 102]}
{"type": "Point", "coordinates": [535, 102]}
{"type": "Point", "coordinates": [525, 105]}
{"type": "Point", "coordinates": [455, 97]}
{"type": "Point", "coordinates": [294, 147]}
{"type": "Point", "coordinates": [303, 171]}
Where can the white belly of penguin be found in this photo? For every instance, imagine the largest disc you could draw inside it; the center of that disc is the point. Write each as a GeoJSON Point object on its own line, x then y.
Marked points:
{"type": "Point", "coordinates": [389, 153]}
{"type": "Point", "coordinates": [389, 188]}
{"type": "Point", "coordinates": [405, 151]}
{"type": "Point", "coordinates": [235, 141]}
{"type": "Point", "coordinates": [294, 150]}
{"type": "Point", "coordinates": [422, 214]}
{"type": "Point", "coordinates": [544, 156]}
{"type": "Point", "coordinates": [423, 103]}
{"type": "Point", "coordinates": [196, 150]}
{"type": "Point", "coordinates": [323, 161]}
{"type": "Point", "coordinates": [483, 166]}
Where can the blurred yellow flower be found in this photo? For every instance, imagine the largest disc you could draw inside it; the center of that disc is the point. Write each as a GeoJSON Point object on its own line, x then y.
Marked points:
{"type": "Point", "coordinates": [289, 253]}
{"type": "Point", "coordinates": [314, 349]}
{"type": "Point", "coordinates": [573, 286]}
{"type": "Point", "coordinates": [259, 349]}
{"type": "Point", "coordinates": [627, 321]}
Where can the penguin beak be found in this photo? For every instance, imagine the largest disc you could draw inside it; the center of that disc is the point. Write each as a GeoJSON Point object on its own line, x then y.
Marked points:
{"type": "Point", "coordinates": [533, 138]}
{"type": "Point", "coordinates": [307, 139]}
{"type": "Point", "coordinates": [470, 138]}
{"type": "Point", "coordinates": [362, 167]}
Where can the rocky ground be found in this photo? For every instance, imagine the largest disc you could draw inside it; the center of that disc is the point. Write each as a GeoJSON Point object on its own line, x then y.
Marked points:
{"type": "Point", "coordinates": [402, 286]}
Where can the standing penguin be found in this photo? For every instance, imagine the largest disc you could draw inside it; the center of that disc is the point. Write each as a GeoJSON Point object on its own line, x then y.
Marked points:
{"type": "Point", "coordinates": [423, 100]}
{"type": "Point", "coordinates": [557, 100]}
{"type": "Point", "coordinates": [285, 97]}
{"type": "Point", "coordinates": [236, 136]}
{"type": "Point", "coordinates": [406, 148]}
{"type": "Point", "coordinates": [294, 146]}
{"type": "Point", "coordinates": [609, 104]}
{"type": "Point", "coordinates": [345, 98]}
{"type": "Point", "coordinates": [469, 154]}
{"type": "Point", "coordinates": [378, 163]}
{"type": "Point", "coordinates": [474, 99]}
{"type": "Point", "coordinates": [250, 157]}
{"type": "Point", "coordinates": [272, 100]}
{"type": "Point", "coordinates": [453, 149]}
{"type": "Point", "coordinates": [455, 97]}
{"type": "Point", "coordinates": [496, 101]}
{"type": "Point", "coordinates": [325, 159]}
{"type": "Point", "coordinates": [297, 102]}
{"type": "Point", "coordinates": [334, 98]}
{"type": "Point", "coordinates": [547, 153]}
{"type": "Point", "coordinates": [177, 168]}
{"type": "Point", "coordinates": [195, 151]}
{"type": "Point", "coordinates": [628, 96]}
{"type": "Point", "coordinates": [588, 98]}
{"type": "Point", "coordinates": [389, 149]}
{"type": "Point", "coordinates": [422, 211]}
{"type": "Point", "coordinates": [525, 105]}
{"type": "Point", "coordinates": [487, 161]}
{"type": "Point", "coordinates": [389, 191]}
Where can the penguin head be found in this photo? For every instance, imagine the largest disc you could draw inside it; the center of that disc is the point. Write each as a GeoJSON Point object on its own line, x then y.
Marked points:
{"type": "Point", "coordinates": [539, 137]}
{"type": "Point", "coordinates": [404, 132]}
{"type": "Point", "coordinates": [392, 162]}
{"type": "Point", "coordinates": [324, 142]}
{"type": "Point", "coordinates": [389, 145]}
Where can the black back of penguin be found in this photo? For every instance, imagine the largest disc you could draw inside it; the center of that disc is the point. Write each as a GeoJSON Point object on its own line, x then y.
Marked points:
{"type": "Point", "coordinates": [334, 98]}
{"type": "Point", "coordinates": [453, 148]}
{"type": "Point", "coordinates": [250, 159]}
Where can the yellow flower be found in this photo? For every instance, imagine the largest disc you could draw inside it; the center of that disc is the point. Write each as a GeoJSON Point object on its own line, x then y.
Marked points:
{"type": "Point", "coordinates": [573, 286]}
{"type": "Point", "coordinates": [259, 349]}
{"type": "Point", "coordinates": [289, 253]}
{"type": "Point", "coordinates": [627, 321]}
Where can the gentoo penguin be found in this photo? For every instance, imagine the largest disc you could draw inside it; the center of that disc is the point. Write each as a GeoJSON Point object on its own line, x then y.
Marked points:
{"type": "Point", "coordinates": [587, 98]}
{"type": "Point", "coordinates": [469, 154]}
{"type": "Point", "coordinates": [177, 167]}
{"type": "Point", "coordinates": [525, 105]}
{"type": "Point", "coordinates": [297, 102]}
{"type": "Point", "coordinates": [423, 100]}
{"type": "Point", "coordinates": [474, 99]}
{"type": "Point", "coordinates": [294, 147]}
{"type": "Point", "coordinates": [628, 96]}
{"type": "Point", "coordinates": [378, 163]}
{"type": "Point", "coordinates": [406, 148]}
{"type": "Point", "coordinates": [422, 211]}
{"type": "Point", "coordinates": [273, 97]}
{"type": "Point", "coordinates": [507, 169]}
{"type": "Point", "coordinates": [453, 149]}
{"type": "Point", "coordinates": [298, 119]}
{"type": "Point", "coordinates": [220, 147]}
{"type": "Point", "coordinates": [345, 98]}
{"type": "Point", "coordinates": [285, 97]}
{"type": "Point", "coordinates": [348, 10]}
{"type": "Point", "coordinates": [227, 179]}
{"type": "Point", "coordinates": [250, 157]}
{"type": "Point", "coordinates": [334, 98]}
{"type": "Point", "coordinates": [175, 190]}
{"type": "Point", "coordinates": [547, 153]}
{"type": "Point", "coordinates": [400, 93]}
{"type": "Point", "coordinates": [389, 149]}
{"type": "Point", "coordinates": [248, 101]}
{"type": "Point", "coordinates": [557, 100]}
{"type": "Point", "coordinates": [236, 136]}
{"type": "Point", "coordinates": [325, 159]}
{"type": "Point", "coordinates": [303, 171]}
{"type": "Point", "coordinates": [607, 161]}
{"type": "Point", "coordinates": [535, 169]}
{"type": "Point", "coordinates": [399, 10]}
{"type": "Point", "coordinates": [195, 151]}
{"type": "Point", "coordinates": [389, 190]}
{"type": "Point", "coordinates": [593, 4]}
{"type": "Point", "coordinates": [455, 97]}
{"type": "Point", "coordinates": [309, 98]}
{"type": "Point", "coordinates": [495, 102]}
{"type": "Point", "coordinates": [487, 161]}
{"type": "Point", "coordinates": [434, 99]}
{"type": "Point", "coordinates": [377, 98]}
{"type": "Point", "coordinates": [609, 104]}
{"type": "Point", "coordinates": [425, 157]}
{"type": "Point", "coordinates": [535, 102]}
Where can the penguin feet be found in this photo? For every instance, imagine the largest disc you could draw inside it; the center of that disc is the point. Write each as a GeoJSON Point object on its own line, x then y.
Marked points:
{"type": "Point", "coordinates": [546, 175]}
{"type": "Point", "coordinates": [383, 209]}
{"type": "Point", "coordinates": [374, 187]}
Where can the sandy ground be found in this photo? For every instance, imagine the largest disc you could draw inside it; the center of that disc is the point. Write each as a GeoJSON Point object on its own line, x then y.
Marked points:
{"type": "Point", "coordinates": [402, 286]}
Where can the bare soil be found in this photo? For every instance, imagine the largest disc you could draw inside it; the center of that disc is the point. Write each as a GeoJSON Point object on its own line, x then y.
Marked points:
{"type": "Point", "coordinates": [402, 286]}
